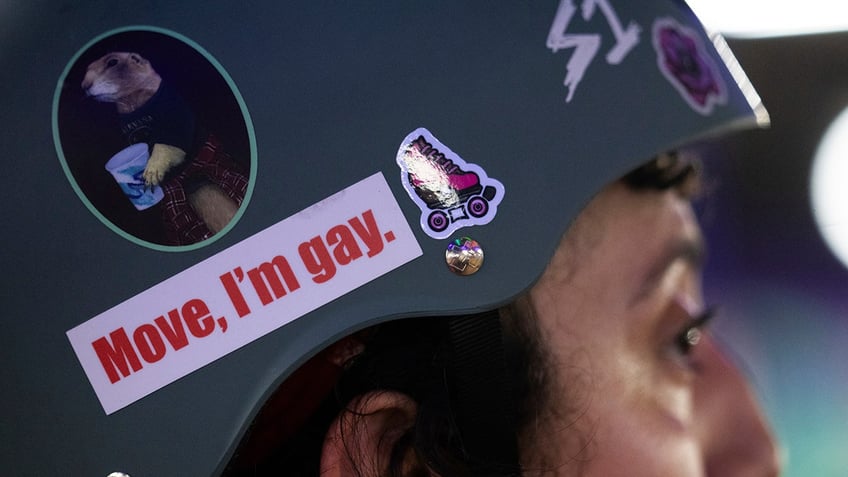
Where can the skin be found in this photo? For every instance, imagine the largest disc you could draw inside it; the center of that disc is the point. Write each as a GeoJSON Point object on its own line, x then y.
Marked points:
{"type": "Point", "coordinates": [610, 312]}
{"type": "Point", "coordinates": [624, 396]}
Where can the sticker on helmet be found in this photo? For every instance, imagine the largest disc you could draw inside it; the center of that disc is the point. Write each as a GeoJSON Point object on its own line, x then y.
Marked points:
{"type": "Point", "coordinates": [450, 192]}
{"type": "Point", "coordinates": [155, 138]}
{"type": "Point", "coordinates": [586, 45]}
{"type": "Point", "coordinates": [683, 60]}
{"type": "Point", "coordinates": [244, 292]}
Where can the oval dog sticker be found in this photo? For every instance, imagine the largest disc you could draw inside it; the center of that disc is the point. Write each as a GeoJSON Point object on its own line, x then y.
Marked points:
{"type": "Point", "coordinates": [155, 138]}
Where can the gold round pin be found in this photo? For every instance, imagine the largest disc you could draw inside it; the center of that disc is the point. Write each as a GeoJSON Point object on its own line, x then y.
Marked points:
{"type": "Point", "coordinates": [464, 256]}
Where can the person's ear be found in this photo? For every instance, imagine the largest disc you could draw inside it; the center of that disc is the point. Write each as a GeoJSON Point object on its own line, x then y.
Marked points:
{"type": "Point", "coordinates": [361, 439]}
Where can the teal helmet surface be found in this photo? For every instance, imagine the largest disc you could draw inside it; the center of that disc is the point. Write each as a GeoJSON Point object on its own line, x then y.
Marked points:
{"type": "Point", "coordinates": [374, 155]}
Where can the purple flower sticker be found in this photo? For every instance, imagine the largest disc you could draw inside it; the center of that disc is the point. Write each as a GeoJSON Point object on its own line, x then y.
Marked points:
{"type": "Point", "coordinates": [682, 59]}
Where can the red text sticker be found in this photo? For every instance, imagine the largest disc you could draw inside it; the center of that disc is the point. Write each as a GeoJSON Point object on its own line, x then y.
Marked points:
{"type": "Point", "coordinates": [244, 292]}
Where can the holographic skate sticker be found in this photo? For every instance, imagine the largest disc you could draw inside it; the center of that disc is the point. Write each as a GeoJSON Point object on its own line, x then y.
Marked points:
{"type": "Point", "coordinates": [450, 192]}
{"type": "Point", "coordinates": [687, 66]}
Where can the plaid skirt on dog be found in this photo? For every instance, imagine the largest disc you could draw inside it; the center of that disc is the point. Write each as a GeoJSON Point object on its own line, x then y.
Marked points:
{"type": "Point", "coordinates": [211, 164]}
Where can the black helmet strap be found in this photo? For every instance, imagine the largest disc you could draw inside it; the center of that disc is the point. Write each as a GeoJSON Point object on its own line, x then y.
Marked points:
{"type": "Point", "coordinates": [482, 394]}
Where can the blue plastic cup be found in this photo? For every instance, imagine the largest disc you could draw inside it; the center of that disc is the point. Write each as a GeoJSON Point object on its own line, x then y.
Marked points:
{"type": "Point", "coordinates": [127, 167]}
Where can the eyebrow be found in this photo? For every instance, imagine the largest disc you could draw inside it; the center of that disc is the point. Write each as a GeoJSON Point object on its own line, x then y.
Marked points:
{"type": "Point", "coordinates": [691, 250]}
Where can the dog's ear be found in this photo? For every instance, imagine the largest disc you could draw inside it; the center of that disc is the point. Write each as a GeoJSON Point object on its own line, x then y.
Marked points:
{"type": "Point", "coordinates": [138, 59]}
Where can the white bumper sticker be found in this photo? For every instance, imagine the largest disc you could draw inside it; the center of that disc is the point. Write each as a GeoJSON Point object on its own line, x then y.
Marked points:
{"type": "Point", "coordinates": [244, 292]}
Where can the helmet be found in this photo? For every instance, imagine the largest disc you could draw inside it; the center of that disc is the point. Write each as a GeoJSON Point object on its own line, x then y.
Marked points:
{"type": "Point", "coordinates": [362, 148]}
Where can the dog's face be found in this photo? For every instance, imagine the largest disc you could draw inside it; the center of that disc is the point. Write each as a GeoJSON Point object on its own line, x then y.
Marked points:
{"type": "Point", "coordinates": [117, 75]}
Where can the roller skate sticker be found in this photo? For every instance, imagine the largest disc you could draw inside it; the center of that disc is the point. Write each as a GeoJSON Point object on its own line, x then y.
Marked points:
{"type": "Point", "coordinates": [450, 192]}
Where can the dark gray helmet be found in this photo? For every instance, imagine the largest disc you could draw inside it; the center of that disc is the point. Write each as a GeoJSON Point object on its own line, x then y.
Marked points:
{"type": "Point", "coordinates": [375, 156]}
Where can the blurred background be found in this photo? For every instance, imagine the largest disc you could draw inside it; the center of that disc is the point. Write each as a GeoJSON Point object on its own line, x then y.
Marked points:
{"type": "Point", "coordinates": [777, 205]}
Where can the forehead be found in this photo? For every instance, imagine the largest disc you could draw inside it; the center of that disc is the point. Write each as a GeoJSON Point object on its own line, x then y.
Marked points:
{"type": "Point", "coordinates": [625, 229]}
{"type": "Point", "coordinates": [106, 57]}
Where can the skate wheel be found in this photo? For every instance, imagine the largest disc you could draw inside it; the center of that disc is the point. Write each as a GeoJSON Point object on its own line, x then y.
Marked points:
{"type": "Point", "coordinates": [478, 206]}
{"type": "Point", "coordinates": [438, 221]}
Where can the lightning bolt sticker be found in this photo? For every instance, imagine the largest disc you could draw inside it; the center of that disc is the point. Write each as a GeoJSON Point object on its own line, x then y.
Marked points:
{"type": "Point", "coordinates": [586, 45]}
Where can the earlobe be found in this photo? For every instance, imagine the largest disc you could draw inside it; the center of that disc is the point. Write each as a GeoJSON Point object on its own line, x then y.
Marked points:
{"type": "Point", "coordinates": [361, 440]}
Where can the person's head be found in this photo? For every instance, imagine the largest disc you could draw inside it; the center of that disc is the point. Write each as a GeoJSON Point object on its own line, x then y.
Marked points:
{"type": "Point", "coordinates": [605, 360]}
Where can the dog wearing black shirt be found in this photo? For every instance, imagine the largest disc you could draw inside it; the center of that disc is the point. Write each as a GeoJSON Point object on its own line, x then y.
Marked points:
{"type": "Point", "coordinates": [150, 112]}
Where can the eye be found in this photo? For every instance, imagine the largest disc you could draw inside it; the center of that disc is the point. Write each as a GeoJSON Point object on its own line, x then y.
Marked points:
{"type": "Point", "coordinates": [112, 62]}
{"type": "Point", "coordinates": [690, 336]}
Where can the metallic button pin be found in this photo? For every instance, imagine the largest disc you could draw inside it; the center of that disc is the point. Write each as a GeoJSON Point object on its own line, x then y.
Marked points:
{"type": "Point", "coordinates": [464, 256]}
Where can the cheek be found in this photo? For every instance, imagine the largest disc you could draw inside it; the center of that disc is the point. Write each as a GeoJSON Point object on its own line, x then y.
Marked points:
{"type": "Point", "coordinates": [633, 449]}
{"type": "Point", "coordinates": [598, 435]}
{"type": "Point", "coordinates": [642, 422]}
{"type": "Point", "coordinates": [612, 409]}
